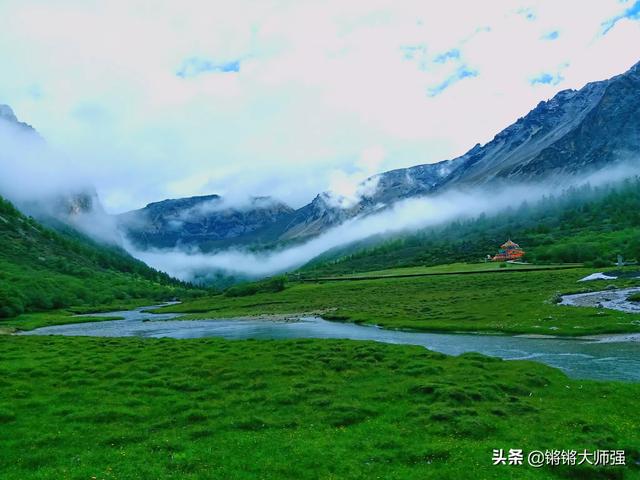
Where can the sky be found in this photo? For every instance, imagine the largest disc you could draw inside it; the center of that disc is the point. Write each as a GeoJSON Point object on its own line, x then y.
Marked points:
{"type": "Point", "coordinates": [154, 100]}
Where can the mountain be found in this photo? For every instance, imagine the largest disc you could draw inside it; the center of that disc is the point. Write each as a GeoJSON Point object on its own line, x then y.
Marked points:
{"type": "Point", "coordinates": [53, 266]}
{"type": "Point", "coordinates": [206, 221]}
{"type": "Point", "coordinates": [576, 132]}
{"type": "Point", "coordinates": [326, 210]}
{"type": "Point", "coordinates": [50, 203]}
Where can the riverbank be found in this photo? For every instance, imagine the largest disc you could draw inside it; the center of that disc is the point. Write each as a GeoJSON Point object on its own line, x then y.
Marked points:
{"type": "Point", "coordinates": [617, 299]}
{"type": "Point", "coordinates": [32, 321]}
{"type": "Point", "coordinates": [488, 302]}
{"type": "Point", "coordinates": [80, 314]}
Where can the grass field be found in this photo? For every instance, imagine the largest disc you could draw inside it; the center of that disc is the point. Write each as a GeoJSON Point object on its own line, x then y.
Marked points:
{"type": "Point", "coordinates": [520, 302]}
{"type": "Point", "coordinates": [161, 408]}
{"type": "Point", "coordinates": [449, 269]}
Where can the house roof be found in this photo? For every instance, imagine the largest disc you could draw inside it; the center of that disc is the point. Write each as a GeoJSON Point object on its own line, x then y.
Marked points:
{"type": "Point", "coordinates": [509, 243]}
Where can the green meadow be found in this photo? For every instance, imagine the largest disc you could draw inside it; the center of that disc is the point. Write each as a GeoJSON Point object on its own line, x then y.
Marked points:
{"type": "Point", "coordinates": [448, 269]}
{"type": "Point", "coordinates": [42, 269]}
{"type": "Point", "coordinates": [126, 408]}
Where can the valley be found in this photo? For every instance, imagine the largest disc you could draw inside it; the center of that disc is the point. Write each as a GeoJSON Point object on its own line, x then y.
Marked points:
{"type": "Point", "coordinates": [575, 134]}
{"type": "Point", "coordinates": [395, 331]}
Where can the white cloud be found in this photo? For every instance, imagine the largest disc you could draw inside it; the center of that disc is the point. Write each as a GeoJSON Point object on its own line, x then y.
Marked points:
{"type": "Point", "coordinates": [346, 189]}
{"type": "Point", "coordinates": [316, 85]}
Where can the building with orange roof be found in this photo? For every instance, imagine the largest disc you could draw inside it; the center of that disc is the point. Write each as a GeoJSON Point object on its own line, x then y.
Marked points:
{"type": "Point", "coordinates": [509, 250]}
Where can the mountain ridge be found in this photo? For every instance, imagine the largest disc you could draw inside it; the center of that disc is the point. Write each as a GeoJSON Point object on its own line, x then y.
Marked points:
{"type": "Point", "coordinates": [574, 132]}
{"type": "Point", "coordinates": [8, 116]}
{"type": "Point", "coordinates": [206, 220]}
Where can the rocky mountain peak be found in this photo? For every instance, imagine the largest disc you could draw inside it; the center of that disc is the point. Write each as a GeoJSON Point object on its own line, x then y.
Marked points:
{"type": "Point", "coordinates": [635, 68]}
{"type": "Point", "coordinates": [207, 221]}
{"type": "Point", "coordinates": [6, 113]}
{"type": "Point", "coordinates": [8, 117]}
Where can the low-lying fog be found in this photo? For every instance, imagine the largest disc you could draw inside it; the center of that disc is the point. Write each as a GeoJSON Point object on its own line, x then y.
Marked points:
{"type": "Point", "coordinates": [405, 216]}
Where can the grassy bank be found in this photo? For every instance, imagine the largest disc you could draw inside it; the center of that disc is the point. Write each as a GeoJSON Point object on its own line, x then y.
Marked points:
{"type": "Point", "coordinates": [31, 321]}
{"type": "Point", "coordinates": [520, 302]}
{"type": "Point", "coordinates": [162, 408]}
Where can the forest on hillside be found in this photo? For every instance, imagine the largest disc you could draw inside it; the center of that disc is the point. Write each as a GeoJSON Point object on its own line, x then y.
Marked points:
{"type": "Point", "coordinates": [586, 224]}
{"type": "Point", "coordinates": [42, 269]}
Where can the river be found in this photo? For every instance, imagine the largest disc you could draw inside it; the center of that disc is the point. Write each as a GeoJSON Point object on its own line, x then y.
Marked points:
{"type": "Point", "coordinates": [614, 357]}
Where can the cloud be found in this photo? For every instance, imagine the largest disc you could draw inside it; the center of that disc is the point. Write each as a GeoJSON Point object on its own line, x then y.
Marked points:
{"type": "Point", "coordinates": [453, 54]}
{"type": "Point", "coordinates": [23, 153]}
{"type": "Point", "coordinates": [632, 13]}
{"type": "Point", "coordinates": [546, 79]}
{"type": "Point", "coordinates": [405, 216]}
{"type": "Point", "coordinates": [460, 74]}
{"type": "Point", "coordinates": [227, 205]}
{"type": "Point", "coordinates": [553, 35]}
{"type": "Point", "coordinates": [315, 85]}
{"type": "Point", "coordinates": [528, 13]}
{"type": "Point", "coordinates": [348, 189]}
{"type": "Point", "coordinates": [411, 52]}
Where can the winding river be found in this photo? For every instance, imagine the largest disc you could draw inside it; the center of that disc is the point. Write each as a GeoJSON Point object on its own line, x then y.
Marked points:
{"type": "Point", "coordinates": [614, 357]}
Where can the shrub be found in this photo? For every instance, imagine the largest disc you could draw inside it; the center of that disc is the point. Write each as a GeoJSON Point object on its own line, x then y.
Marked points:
{"type": "Point", "coordinates": [600, 263]}
{"type": "Point", "coordinates": [11, 304]}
